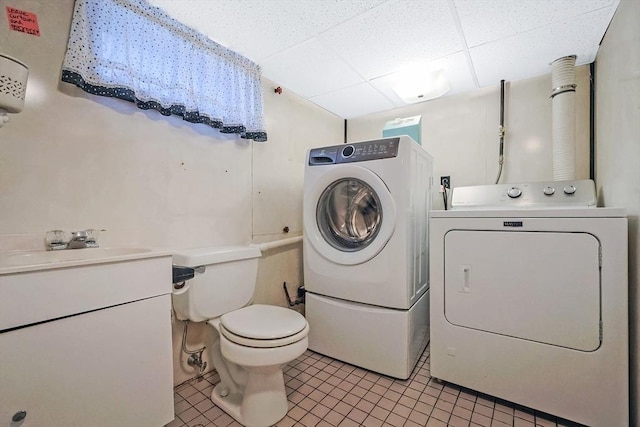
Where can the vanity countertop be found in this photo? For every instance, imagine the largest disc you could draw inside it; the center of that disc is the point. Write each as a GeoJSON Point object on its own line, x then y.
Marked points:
{"type": "Point", "coordinates": [20, 261]}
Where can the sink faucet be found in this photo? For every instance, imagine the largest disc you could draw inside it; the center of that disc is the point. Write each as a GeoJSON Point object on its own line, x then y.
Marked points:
{"type": "Point", "coordinates": [78, 240]}
{"type": "Point", "coordinates": [57, 239]}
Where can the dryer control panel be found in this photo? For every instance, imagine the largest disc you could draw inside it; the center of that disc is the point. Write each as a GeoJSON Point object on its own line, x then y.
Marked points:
{"type": "Point", "coordinates": [355, 152]}
{"type": "Point", "coordinates": [561, 194]}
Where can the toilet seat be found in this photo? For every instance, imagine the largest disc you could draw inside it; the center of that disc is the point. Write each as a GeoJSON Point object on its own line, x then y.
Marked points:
{"type": "Point", "coordinates": [279, 342]}
{"type": "Point", "coordinates": [263, 326]}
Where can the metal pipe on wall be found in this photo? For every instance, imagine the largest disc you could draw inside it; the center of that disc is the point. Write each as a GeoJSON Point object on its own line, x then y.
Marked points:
{"type": "Point", "coordinates": [501, 130]}
{"type": "Point", "coordinates": [345, 131]}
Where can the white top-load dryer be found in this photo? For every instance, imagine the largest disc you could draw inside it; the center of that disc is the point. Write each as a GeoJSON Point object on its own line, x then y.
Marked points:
{"type": "Point", "coordinates": [529, 298]}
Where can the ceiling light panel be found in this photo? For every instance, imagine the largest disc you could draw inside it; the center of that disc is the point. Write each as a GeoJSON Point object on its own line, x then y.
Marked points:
{"type": "Point", "coordinates": [485, 21]}
{"type": "Point", "coordinates": [353, 101]}
{"type": "Point", "coordinates": [310, 69]}
{"type": "Point", "coordinates": [530, 54]}
{"type": "Point", "coordinates": [455, 68]}
{"type": "Point", "coordinates": [415, 85]}
{"type": "Point", "coordinates": [395, 35]}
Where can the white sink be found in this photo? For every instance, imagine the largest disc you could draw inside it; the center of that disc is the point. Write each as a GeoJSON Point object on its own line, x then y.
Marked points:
{"type": "Point", "coordinates": [20, 261]}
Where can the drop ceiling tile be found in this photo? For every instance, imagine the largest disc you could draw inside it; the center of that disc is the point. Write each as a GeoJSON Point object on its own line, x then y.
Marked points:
{"type": "Point", "coordinates": [394, 35]}
{"type": "Point", "coordinates": [510, 39]}
{"type": "Point", "coordinates": [309, 69]}
{"type": "Point", "coordinates": [484, 21]}
{"type": "Point", "coordinates": [253, 28]}
{"type": "Point", "coordinates": [353, 101]}
{"type": "Point", "coordinates": [320, 16]}
{"type": "Point", "coordinates": [531, 53]}
{"type": "Point", "coordinates": [455, 67]}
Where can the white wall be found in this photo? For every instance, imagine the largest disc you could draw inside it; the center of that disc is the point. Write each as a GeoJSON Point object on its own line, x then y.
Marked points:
{"type": "Point", "coordinates": [73, 161]}
{"type": "Point", "coordinates": [618, 153]}
{"type": "Point", "coordinates": [461, 132]}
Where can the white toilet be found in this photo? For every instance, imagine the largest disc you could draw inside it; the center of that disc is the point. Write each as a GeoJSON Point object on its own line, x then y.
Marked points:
{"type": "Point", "coordinates": [252, 342]}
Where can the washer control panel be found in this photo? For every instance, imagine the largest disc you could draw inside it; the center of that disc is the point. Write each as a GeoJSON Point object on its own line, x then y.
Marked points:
{"type": "Point", "coordinates": [575, 193]}
{"type": "Point", "coordinates": [355, 152]}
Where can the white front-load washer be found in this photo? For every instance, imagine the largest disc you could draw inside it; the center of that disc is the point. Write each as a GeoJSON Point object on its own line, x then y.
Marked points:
{"type": "Point", "coordinates": [365, 216]}
{"type": "Point", "coordinates": [529, 298]}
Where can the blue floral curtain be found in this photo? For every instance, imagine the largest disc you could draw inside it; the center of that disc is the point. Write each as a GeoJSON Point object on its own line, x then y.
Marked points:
{"type": "Point", "coordinates": [131, 50]}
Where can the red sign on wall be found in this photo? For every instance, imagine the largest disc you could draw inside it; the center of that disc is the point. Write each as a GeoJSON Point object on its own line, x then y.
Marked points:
{"type": "Point", "coordinates": [23, 21]}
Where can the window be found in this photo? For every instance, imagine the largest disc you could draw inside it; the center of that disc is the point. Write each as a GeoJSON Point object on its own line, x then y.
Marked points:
{"type": "Point", "coordinates": [131, 50]}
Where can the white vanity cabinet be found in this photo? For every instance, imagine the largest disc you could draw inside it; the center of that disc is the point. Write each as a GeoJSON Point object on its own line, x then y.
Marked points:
{"type": "Point", "coordinates": [87, 345]}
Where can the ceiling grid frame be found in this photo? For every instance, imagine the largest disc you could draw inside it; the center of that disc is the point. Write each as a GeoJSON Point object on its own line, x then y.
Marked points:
{"type": "Point", "coordinates": [352, 76]}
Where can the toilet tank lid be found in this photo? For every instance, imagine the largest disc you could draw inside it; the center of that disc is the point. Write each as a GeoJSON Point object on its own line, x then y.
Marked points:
{"type": "Point", "coordinates": [214, 255]}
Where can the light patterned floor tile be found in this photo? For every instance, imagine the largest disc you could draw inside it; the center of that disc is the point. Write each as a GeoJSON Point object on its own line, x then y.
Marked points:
{"type": "Point", "coordinates": [324, 392]}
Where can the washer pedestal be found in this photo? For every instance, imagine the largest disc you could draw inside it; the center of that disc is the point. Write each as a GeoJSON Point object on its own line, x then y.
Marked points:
{"type": "Point", "coordinates": [380, 339]}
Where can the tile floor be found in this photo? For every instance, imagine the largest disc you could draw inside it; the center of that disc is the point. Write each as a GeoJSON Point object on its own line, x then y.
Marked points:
{"type": "Point", "coordinates": [324, 392]}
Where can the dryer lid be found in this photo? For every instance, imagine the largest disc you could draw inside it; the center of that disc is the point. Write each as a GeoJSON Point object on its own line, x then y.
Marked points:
{"type": "Point", "coordinates": [263, 322]}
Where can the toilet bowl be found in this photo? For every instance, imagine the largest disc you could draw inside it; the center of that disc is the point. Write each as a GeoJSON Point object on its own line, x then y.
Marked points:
{"type": "Point", "coordinates": [253, 391]}
{"type": "Point", "coordinates": [251, 343]}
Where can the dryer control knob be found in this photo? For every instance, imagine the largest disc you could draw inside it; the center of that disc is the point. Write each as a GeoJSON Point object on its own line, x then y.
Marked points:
{"type": "Point", "coordinates": [569, 189]}
{"type": "Point", "coordinates": [514, 192]}
{"type": "Point", "coordinates": [548, 191]}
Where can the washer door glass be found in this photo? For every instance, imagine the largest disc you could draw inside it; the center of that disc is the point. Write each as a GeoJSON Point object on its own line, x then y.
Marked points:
{"type": "Point", "coordinates": [349, 214]}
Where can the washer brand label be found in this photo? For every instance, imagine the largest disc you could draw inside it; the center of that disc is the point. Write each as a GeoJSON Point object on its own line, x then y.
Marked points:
{"type": "Point", "coordinates": [512, 223]}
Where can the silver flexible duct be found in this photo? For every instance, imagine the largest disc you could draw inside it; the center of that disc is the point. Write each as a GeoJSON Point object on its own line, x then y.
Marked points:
{"type": "Point", "coordinates": [563, 120]}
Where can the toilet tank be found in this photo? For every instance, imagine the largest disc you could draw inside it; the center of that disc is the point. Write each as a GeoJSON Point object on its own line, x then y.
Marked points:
{"type": "Point", "coordinates": [224, 281]}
